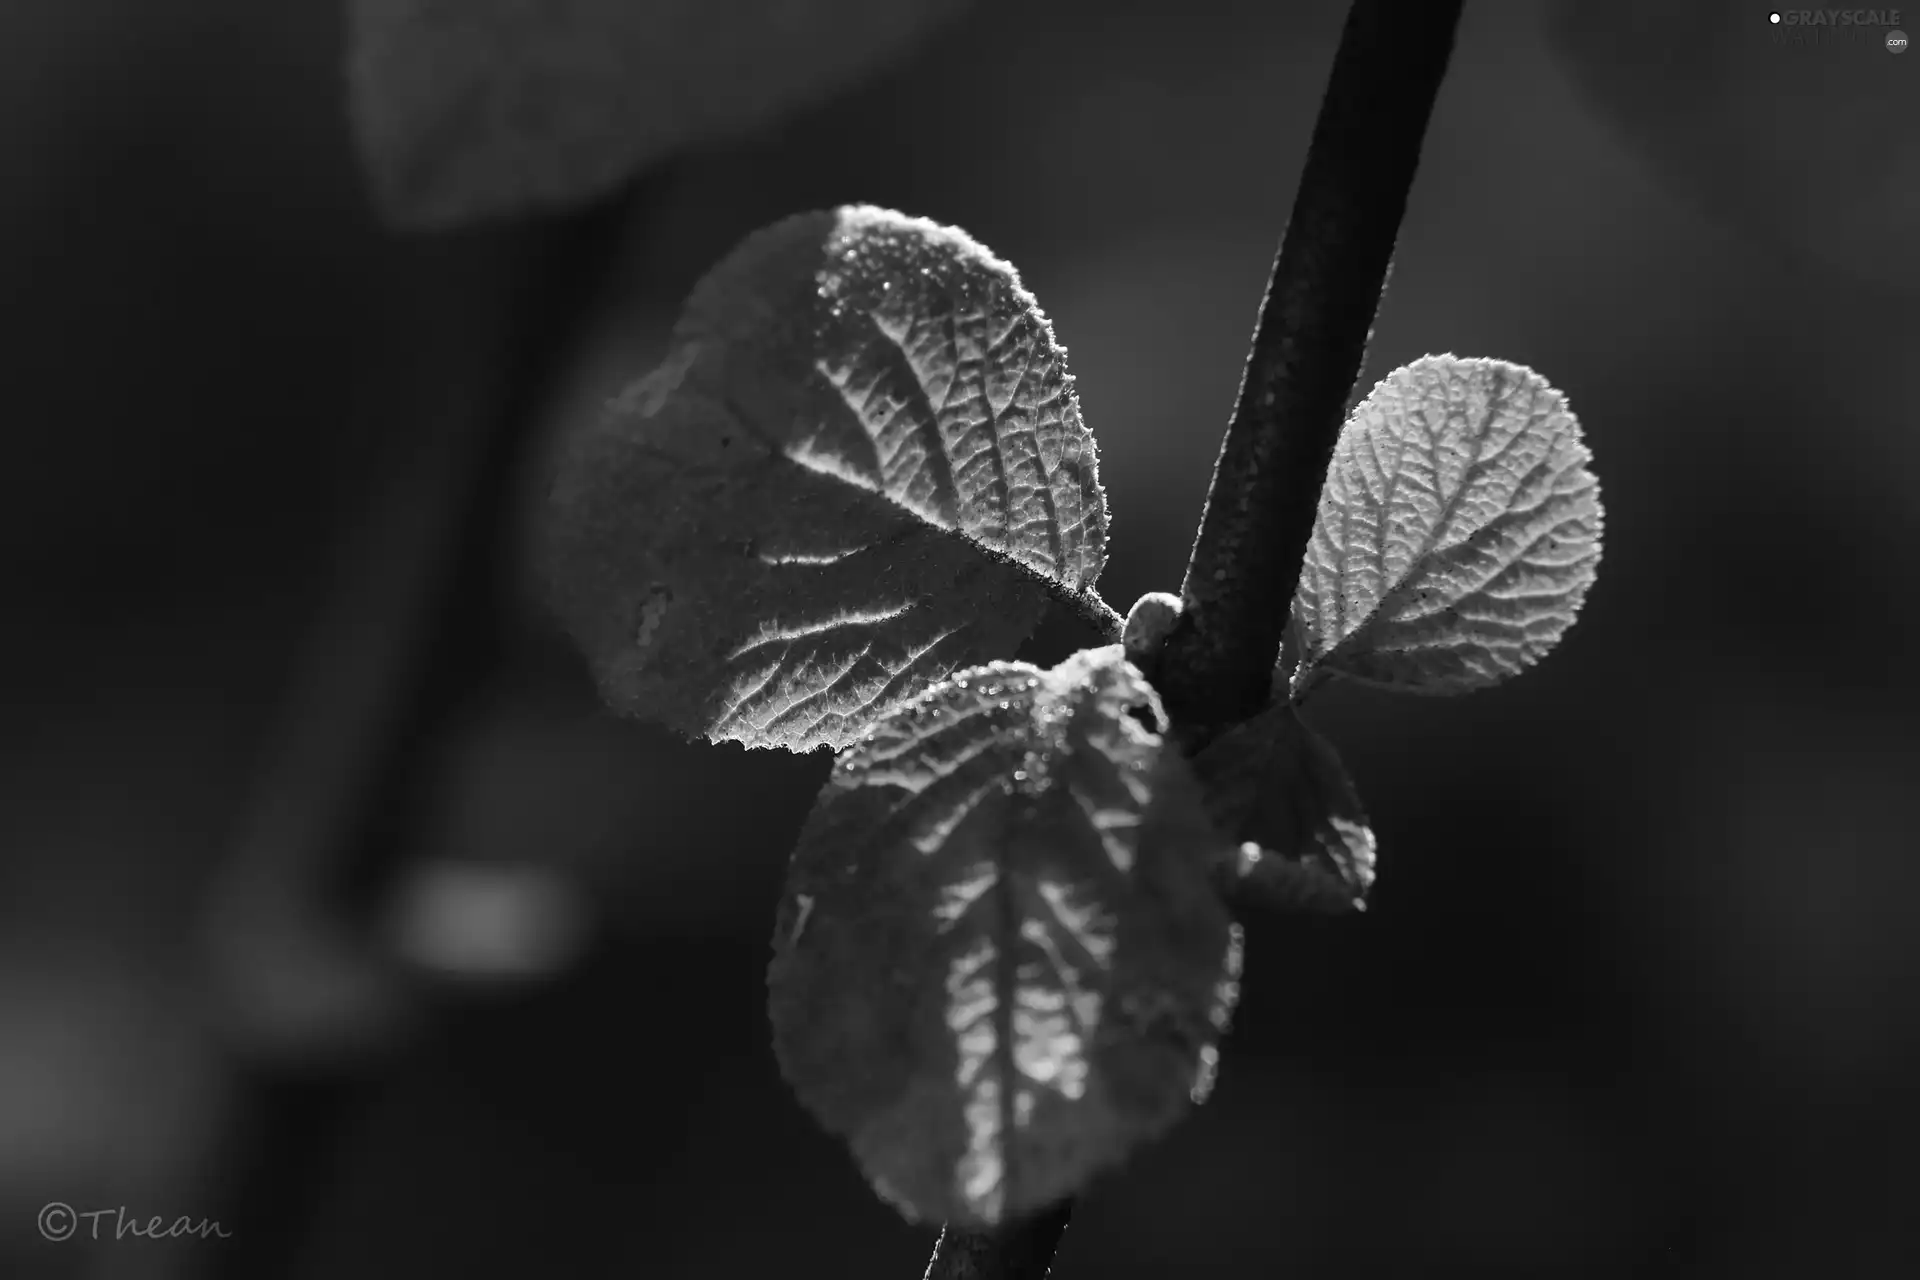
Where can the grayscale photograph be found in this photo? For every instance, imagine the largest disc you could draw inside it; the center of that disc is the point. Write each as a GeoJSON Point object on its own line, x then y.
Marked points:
{"type": "Point", "coordinates": [959, 640]}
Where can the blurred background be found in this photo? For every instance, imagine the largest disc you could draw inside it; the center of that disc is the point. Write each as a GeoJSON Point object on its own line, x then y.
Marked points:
{"type": "Point", "coordinates": [332, 908]}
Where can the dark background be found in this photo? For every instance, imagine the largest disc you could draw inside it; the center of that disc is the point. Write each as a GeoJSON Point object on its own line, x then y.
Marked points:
{"type": "Point", "coordinates": [426, 967]}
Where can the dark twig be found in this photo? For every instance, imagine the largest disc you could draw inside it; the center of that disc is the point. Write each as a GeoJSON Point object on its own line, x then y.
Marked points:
{"type": "Point", "coordinates": [1307, 351]}
{"type": "Point", "coordinates": [1022, 1251]}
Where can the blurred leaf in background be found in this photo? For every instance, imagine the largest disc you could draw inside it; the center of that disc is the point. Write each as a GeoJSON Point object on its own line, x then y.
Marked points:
{"type": "Point", "coordinates": [475, 108]}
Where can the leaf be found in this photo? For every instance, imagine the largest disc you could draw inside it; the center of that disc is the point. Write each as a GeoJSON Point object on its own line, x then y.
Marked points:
{"type": "Point", "coordinates": [465, 109]}
{"type": "Point", "coordinates": [999, 963]}
{"type": "Point", "coordinates": [861, 467]}
{"type": "Point", "coordinates": [1279, 788]}
{"type": "Point", "coordinates": [1458, 532]}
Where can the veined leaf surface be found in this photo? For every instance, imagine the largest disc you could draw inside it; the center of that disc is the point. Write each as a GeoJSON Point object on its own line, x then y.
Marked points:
{"type": "Point", "coordinates": [1279, 789]}
{"type": "Point", "coordinates": [1458, 531]}
{"type": "Point", "coordinates": [861, 467]}
{"type": "Point", "coordinates": [1000, 963]}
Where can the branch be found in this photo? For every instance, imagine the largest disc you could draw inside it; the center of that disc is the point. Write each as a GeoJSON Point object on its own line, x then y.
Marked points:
{"type": "Point", "coordinates": [1307, 352]}
{"type": "Point", "coordinates": [1217, 665]}
{"type": "Point", "coordinates": [1022, 1251]}
{"type": "Point", "coordinates": [421, 620]}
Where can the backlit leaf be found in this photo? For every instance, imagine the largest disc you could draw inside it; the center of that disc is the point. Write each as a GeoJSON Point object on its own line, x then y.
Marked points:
{"type": "Point", "coordinates": [1279, 788]}
{"type": "Point", "coordinates": [1000, 963]}
{"type": "Point", "coordinates": [470, 108]}
{"type": "Point", "coordinates": [1458, 532]}
{"type": "Point", "coordinates": [861, 467]}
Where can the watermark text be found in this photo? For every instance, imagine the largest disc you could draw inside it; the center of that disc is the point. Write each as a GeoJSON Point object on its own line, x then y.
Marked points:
{"type": "Point", "coordinates": [1835, 17]}
{"type": "Point", "coordinates": [61, 1221]}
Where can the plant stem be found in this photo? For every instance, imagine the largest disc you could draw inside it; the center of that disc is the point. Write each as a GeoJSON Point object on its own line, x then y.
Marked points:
{"type": "Point", "coordinates": [1307, 353]}
{"type": "Point", "coordinates": [1021, 1251]}
{"type": "Point", "coordinates": [1308, 347]}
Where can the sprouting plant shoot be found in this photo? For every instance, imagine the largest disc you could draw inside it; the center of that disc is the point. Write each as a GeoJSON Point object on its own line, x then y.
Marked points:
{"type": "Point", "coordinates": [1005, 953]}
{"type": "Point", "coordinates": [1007, 947]}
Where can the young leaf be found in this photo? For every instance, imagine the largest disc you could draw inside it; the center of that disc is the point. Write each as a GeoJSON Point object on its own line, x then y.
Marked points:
{"type": "Point", "coordinates": [1279, 788]}
{"type": "Point", "coordinates": [1000, 963]}
{"type": "Point", "coordinates": [861, 467]}
{"type": "Point", "coordinates": [1458, 532]}
{"type": "Point", "coordinates": [485, 107]}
